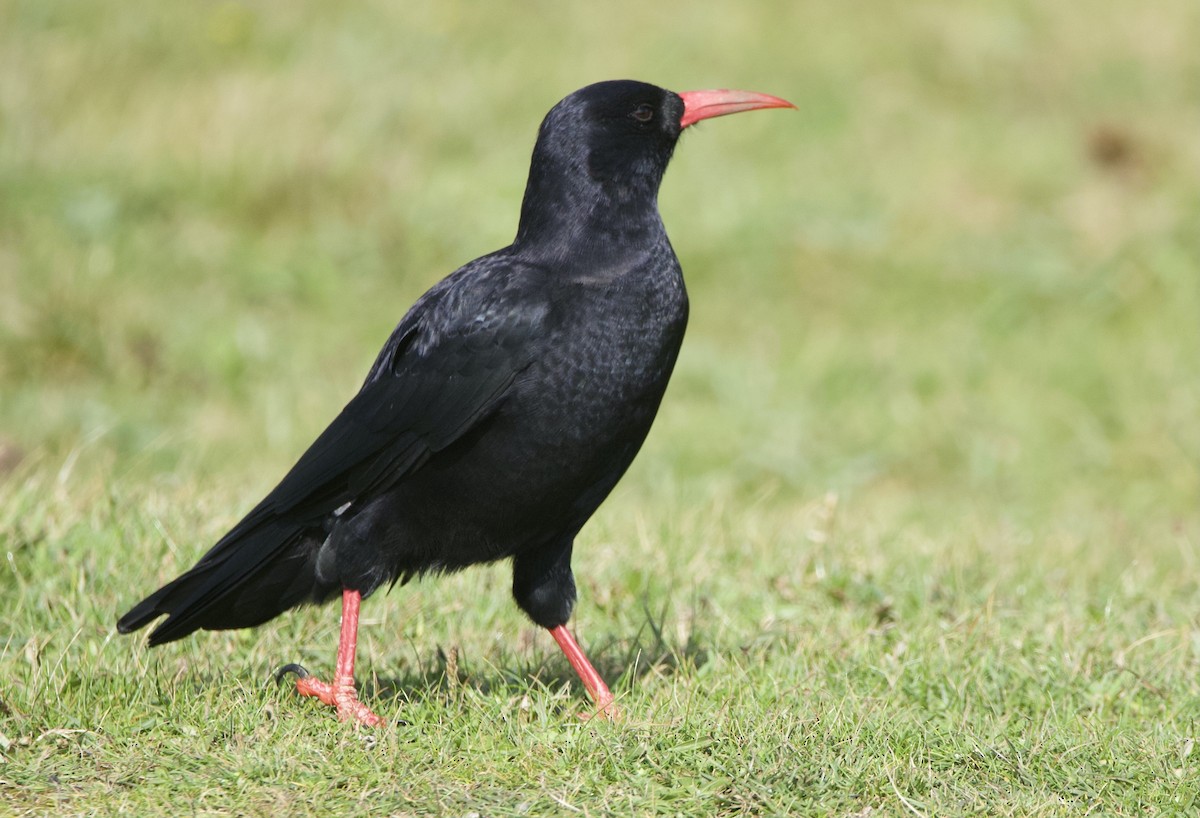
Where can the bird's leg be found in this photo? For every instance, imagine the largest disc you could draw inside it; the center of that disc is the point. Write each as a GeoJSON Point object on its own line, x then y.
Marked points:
{"type": "Point", "coordinates": [340, 693]}
{"type": "Point", "coordinates": [595, 686]}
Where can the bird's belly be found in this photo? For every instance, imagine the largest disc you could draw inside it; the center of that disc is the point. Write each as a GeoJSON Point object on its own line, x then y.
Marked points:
{"type": "Point", "coordinates": [534, 472]}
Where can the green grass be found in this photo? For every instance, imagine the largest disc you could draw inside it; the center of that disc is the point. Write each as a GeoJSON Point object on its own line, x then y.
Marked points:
{"type": "Point", "coordinates": [917, 531]}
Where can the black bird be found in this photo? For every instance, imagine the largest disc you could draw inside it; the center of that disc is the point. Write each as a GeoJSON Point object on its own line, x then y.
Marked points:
{"type": "Point", "coordinates": [500, 413]}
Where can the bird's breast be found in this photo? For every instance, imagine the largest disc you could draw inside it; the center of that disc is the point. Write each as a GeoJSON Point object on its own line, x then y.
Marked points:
{"type": "Point", "coordinates": [566, 431]}
{"type": "Point", "coordinates": [588, 399]}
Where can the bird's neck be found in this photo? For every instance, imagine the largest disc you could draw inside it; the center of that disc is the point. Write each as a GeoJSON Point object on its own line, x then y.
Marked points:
{"type": "Point", "coordinates": [567, 212]}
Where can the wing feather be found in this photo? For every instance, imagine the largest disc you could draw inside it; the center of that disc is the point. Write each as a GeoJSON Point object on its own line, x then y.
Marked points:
{"type": "Point", "coordinates": [446, 367]}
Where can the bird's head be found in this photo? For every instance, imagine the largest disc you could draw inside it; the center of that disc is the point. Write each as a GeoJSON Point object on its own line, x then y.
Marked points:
{"type": "Point", "coordinates": [609, 143]}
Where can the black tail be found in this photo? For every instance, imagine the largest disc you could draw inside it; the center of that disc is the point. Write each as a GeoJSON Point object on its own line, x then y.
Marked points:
{"type": "Point", "coordinates": [257, 571]}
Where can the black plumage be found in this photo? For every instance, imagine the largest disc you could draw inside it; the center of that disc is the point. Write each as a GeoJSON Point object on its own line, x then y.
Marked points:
{"type": "Point", "coordinates": [505, 405]}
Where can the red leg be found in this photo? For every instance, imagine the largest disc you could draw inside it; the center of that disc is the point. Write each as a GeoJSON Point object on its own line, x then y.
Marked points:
{"type": "Point", "coordinates": [340, 693]}
{"type": "Point", "coordinates": [595, 686]}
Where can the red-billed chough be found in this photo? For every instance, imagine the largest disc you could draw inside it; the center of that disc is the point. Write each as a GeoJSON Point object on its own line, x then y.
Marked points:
{"type": "Point", "coordinates": [500, 413]}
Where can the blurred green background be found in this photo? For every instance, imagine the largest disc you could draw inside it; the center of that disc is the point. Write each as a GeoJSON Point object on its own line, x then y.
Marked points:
{"type": "Point", "coordinates": [945, 328]}
{"type": "Point", "coordinates": [966, 271]}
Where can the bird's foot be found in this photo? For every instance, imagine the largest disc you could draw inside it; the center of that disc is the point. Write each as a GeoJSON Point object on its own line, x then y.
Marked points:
{"type": "Point", "coordinates": [605, 711]}
{"type": "Point", "coordinates": [342, 697]}
{"type": "Point", "coordinates": [338, 695]}
{"type": "Point", "coordinates": [603, 699]}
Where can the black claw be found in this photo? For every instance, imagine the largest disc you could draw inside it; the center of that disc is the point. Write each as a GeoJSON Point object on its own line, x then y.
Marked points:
{"type": "Point", "coordinates": [299, 670]}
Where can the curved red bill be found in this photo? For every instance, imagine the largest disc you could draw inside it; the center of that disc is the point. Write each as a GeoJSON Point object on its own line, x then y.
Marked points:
{"type": "Point", "coordinates": [698, 105]}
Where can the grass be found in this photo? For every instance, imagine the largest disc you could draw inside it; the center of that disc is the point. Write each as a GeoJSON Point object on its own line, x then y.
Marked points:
{"type": "Point", "coordinates": [917, 530]}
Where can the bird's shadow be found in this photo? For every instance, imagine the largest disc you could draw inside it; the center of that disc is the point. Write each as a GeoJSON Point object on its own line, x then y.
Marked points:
{"type": "Point", "coordinates": [623, 663]}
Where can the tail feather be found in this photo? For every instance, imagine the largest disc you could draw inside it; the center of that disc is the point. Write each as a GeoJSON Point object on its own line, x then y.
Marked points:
{"type": "Point", "coordinates": [249, 577]}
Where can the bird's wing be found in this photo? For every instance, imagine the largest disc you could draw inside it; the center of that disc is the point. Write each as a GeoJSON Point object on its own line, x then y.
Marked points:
{"type": "Point", "coordinates": [446, 367]}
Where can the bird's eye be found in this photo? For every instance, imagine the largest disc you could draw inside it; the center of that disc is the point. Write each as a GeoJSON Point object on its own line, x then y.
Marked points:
{"type": "Point", "coordinates": [643, 113]}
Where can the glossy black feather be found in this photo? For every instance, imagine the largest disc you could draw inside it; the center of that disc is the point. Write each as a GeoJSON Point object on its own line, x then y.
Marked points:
{"type": "Point", "coordinates": [501, 411]}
